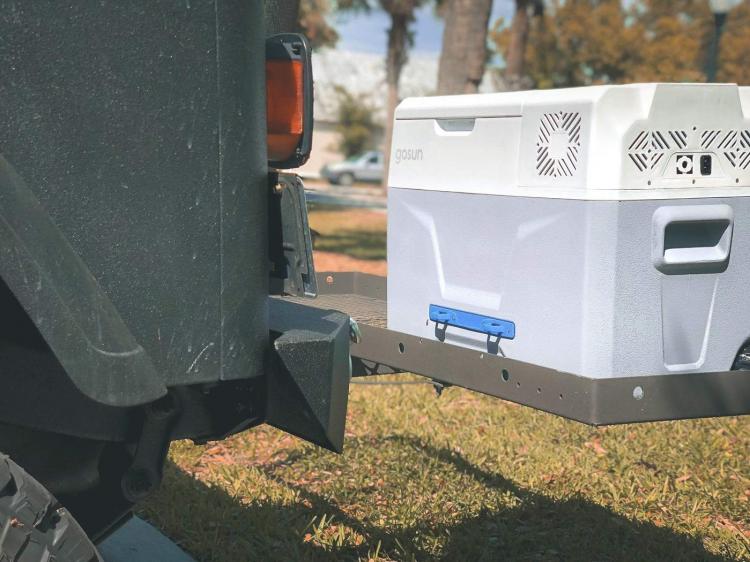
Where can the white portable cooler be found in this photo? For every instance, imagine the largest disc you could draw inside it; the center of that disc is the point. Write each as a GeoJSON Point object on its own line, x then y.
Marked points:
{"type": "Point", "coordinates": [600, 231]}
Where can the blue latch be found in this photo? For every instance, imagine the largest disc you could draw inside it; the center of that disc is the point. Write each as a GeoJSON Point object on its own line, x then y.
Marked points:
{"type": "Point", "coordinates": [496, 327]}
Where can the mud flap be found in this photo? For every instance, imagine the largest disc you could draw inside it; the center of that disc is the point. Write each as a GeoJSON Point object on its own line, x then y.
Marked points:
{"type": "Point", "coordinates": [290, 244]}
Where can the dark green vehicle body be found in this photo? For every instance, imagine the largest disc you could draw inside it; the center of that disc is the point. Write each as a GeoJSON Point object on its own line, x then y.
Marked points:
{"type": "Point", "coordinates": [134, 189]}
{"type": "Point", "coordinates": [135, 248]}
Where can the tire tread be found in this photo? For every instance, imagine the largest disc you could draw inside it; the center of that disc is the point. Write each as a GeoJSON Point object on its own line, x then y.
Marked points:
{"type": "Point", "coordinates": [34, 527]}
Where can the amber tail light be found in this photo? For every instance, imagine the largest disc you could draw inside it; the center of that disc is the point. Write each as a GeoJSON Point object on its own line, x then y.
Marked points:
{"type": "Point", "coordinates": [289, 100]}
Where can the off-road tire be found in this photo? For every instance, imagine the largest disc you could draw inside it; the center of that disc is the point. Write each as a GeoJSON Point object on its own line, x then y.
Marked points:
{"type": "Point", "coordinates": [34, 527]}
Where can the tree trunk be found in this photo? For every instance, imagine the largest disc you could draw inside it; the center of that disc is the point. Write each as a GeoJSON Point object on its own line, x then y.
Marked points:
{"type": "Point", "coordinates": [464, 52]}
{"type": "Point", "coordinates": [519, 35]}
{"type": "Point", "coordinates": [398, 44]}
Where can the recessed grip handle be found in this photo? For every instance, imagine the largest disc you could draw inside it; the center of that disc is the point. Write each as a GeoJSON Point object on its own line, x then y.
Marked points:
{"type": "Point", "coordinates": [692, 238]}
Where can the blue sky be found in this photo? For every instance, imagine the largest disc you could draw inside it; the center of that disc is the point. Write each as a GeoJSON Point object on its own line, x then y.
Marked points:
{"type": "Point", "coordinates": [367, 31]}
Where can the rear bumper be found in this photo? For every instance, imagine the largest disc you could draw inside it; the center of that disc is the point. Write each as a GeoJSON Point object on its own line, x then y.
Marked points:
{"type": "Point", "coordinates": [308, 384]}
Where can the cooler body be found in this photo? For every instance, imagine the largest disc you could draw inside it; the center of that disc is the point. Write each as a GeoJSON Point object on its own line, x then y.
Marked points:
{"type": "Point", "coordinates": [609, 225]}
{"type": "Point", "coordinates": [580, 279]}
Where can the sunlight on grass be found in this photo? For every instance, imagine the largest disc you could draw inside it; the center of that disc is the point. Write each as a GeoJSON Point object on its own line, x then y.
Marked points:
{"type": "Point", "coordinates": [357, 233]}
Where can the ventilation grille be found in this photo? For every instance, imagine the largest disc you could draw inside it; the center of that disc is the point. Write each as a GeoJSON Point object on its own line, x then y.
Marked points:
{"type": "Point", "coordinates": [734, 145]}
{"type": "Point", "coordinates": [559, 144]}
{"type": "Point", "coordinates": [649, 147]}
{"type": "Point", "coordinates": [708, 138]}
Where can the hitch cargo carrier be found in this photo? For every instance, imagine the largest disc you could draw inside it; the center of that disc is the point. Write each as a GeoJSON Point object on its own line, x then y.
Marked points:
{"type": "Point", "coordinates": [607, 401]}
{"type": "Point", "coordinates": [582, 251]}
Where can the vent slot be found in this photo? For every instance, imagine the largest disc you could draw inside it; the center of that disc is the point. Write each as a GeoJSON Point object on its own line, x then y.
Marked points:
{"type": "Point", "coordinates": [558, 144]}
{"type": "Point", "coordinates": [649, 147]}
{"type": "Point", "coordinates": [679, 138]}
{"type": "Point", "coordinates": [735, 146]}
{"type": "Point", "coordinates": [708, 138]}
{"type": "Point", "coordinates": [743, 158]}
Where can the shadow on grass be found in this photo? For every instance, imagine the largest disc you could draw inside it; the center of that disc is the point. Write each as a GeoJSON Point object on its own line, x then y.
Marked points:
{"type": "Point", "coordinates": [537, 527]}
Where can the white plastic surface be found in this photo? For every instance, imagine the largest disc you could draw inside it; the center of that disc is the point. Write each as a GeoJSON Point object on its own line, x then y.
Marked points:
{"type": "Point", "coordinates": [578, 278]}
{"type": "Point", "coordinates": [585, 216]}
{"type": "Point", "coordinates": [587, 139]}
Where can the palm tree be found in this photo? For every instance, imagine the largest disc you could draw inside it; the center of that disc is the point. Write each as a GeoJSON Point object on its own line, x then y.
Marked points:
{"type": "Point", "coordinates": [515, 77]}
{"type": "Point", "coordinates": [401, 13]}
{"type": "Point", "coordinates": [464, 52]}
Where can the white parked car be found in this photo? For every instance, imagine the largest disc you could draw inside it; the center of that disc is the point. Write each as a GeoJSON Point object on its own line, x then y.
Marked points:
{"type": "Point", "coordinates": [362, 167]}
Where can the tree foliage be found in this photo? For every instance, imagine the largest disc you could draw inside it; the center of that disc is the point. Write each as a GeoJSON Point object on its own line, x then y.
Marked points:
{"type": "Point", "coordinates": [314, 24]}
{"type": "Point", "coordinates": [355, 123]}
{"type": "Point", "coordinates": [583, 42]}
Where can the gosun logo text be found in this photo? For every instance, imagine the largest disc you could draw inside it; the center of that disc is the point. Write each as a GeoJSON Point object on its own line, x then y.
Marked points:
{"type": "Point", "coordinates": [403, 154]}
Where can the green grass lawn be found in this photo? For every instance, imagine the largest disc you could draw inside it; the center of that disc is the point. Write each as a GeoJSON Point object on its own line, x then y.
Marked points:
{"type": "Point", "coordinates": [357, 233]}
{"type": "Point", "coordinates": [462, 477]}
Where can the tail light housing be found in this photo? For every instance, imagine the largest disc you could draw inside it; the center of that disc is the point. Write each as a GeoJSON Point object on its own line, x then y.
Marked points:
{"type": "Point", "coordinates": [289, 100]}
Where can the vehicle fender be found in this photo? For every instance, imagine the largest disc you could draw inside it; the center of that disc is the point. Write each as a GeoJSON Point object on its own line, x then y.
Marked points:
{"type": "Point", "coordinates": [66, 303]}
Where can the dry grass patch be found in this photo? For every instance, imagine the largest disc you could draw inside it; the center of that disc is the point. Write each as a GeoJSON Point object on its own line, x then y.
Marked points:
{"type": "Point", "coordinates": [464, 477]}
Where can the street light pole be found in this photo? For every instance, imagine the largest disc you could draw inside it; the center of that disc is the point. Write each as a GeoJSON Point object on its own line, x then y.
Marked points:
{"type": "Point", "coordinates": [719, 8]}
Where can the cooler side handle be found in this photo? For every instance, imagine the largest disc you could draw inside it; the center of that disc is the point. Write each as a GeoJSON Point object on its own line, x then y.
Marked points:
{"type": "Point", "coordinates": [692, 238]}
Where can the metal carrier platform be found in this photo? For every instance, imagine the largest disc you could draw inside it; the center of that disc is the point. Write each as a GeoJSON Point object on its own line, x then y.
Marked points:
{"type": "Point", "coordinates": [591, 401]}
